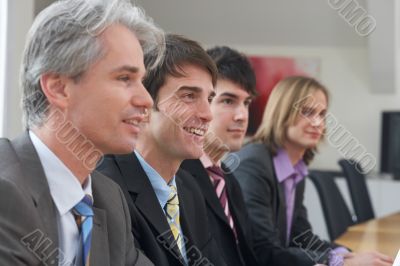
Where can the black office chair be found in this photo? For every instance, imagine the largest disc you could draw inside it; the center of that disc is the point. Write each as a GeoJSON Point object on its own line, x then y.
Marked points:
{"type": "Point", "coordinates": [336, 213]}
{"type": "Point", "coordinates": [358, 190]}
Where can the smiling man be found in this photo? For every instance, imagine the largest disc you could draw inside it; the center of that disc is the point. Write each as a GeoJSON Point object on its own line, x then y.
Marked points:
{"type": "Point", "coordinates": [81, 75]}
{"type": "Point", "coordinates": [227, 213]}
{"type": "Point", "coordinates": [169, 218]}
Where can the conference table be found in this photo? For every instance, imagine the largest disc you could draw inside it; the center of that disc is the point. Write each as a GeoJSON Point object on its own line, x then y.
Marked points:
{"type": "Point", "coordinates": [382, 234]}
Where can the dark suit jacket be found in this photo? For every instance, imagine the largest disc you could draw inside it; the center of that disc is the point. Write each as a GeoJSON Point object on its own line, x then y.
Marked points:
{"type": "Point", "coordinates": [241, 254]}
{"type": "Point", "coordinates": [28, 216]}
{"type": "Point", "coordinates": [265, 200]}
{"type": "Point", "coordinates": [149, 224]}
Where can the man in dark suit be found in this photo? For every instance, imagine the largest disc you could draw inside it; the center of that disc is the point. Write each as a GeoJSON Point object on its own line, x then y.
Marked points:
{"type": "Point", "coordinates": [54, 210]}
{"type": "Point", "coordinates": [228, 217]}
{"type": "Point", "coordinates": [169, 218]}
{"type": "Point", "coordinates": [227, 213]}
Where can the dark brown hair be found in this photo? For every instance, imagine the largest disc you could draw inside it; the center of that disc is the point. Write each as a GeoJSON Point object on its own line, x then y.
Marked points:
{"type": "Point", "coordinates": [179, 52]}
{"type": "Point", "coordinates": [234, 66]}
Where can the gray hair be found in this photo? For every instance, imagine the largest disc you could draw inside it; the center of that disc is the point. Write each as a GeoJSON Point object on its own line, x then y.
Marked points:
{"type": "Point", "coordinates": [63, 39]}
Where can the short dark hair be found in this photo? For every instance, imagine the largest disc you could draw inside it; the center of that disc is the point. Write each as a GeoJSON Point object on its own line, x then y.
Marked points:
{"type": "Point", "coordinates": [234, 66]}
{"type": "Point", "coordinates": [179, 51]}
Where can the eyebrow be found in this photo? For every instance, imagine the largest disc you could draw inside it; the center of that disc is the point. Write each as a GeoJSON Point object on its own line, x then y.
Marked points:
{"type": "Point", "coordinates": [193, 89]}
{"type": "Point", "coordinates": [313, 109]}
{"type": "Point", "coordinates": [228, 94]}
{"type": "Point", "coordinates": [231, 95]}
{"type": "Point", "coordinates": [189, 88]}
{"type": "Point", "coordinates": [131, 69]}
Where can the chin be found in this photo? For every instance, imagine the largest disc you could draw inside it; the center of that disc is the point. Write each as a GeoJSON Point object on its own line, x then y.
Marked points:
{"type": "Point", "coordinates": [312, 145]}
{"type": "Point", "coordinates": [237, 145]}
{"type": "Point", "coordinates": [123, 149]}
{"type": "Point", "coordinates": [195, 153]}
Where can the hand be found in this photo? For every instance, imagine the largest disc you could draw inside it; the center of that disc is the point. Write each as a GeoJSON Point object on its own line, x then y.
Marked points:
{"type": "Point", "coordinates": [372, 258]}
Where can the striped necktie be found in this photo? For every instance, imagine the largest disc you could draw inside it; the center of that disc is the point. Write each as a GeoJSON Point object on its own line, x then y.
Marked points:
{"type": "Point", "coordinates": [171, 209]}
{"type": "Point", "coordinates": [84, 219]}
{"type": "Point", "coordinates": [220, 189]}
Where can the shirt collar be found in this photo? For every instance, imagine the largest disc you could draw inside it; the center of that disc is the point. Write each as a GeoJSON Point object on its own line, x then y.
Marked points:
{"type": "Point", "coordinates": [284, 168]}
{"type": "Point", "coordinates": [64, 186]}
{"type": "Point", "coordinates": [160, 187]}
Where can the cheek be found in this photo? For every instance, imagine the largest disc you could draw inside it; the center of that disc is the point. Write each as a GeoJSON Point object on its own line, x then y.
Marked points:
{"type": "Point", "coordinates": [295, 132]}
{"type": "Point", "coordinates": [291, 134]}
{"type": "Point", "coordinates": [322, 126]}
{"type": "Point", "coordinates": [302, 125]}
{"type": "Point", "coordinates": [246, 122]}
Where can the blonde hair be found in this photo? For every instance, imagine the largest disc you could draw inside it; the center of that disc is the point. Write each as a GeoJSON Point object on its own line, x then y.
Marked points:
{"type": "Point", "coordinates": [285, 103]}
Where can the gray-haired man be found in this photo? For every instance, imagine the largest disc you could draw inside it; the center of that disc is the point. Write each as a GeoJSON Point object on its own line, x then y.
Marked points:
{"type": "Point", "coordinates": [83, 97]}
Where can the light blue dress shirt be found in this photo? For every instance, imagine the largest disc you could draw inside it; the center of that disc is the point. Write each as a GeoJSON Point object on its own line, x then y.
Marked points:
{"type": "Point", "coordinates": [66, 192]}
{"type": "Point", "coordinates": [161, 188]}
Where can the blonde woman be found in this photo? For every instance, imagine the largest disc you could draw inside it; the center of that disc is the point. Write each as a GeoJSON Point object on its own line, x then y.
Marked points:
{"type": "Point", "coordinates": [272, 172]}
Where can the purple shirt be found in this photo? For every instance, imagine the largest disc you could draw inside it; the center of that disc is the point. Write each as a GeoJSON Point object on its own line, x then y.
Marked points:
{"type": "Point", "coordinates": [290, 175]}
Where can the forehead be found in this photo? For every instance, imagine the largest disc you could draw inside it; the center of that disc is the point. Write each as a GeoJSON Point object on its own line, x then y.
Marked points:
{"type": "Point", "coordinates": [317, 100]}
{"type": "Point", "coordinates": [194, 77]}
{"type": "Point", "coordinates": [121, 47]}
{"type": "Point", "coordinates": [227, 87]}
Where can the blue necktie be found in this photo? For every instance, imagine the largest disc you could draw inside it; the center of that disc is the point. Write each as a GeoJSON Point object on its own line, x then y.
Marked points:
{"type": "Point", "coordinates": [84, 213]}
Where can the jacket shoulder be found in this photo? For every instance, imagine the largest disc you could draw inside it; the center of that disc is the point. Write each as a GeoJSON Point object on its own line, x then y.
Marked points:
{"type": "Point", "coordinates": [103, 183]}
{"type": "Point", "coordinates": [254, 151]}
{"type": "Point", "coordinates": [255, 156]}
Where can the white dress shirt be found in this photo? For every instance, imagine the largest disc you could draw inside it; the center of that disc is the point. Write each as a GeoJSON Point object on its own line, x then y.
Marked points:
{"type": "Point", "coordinates": [66, 192]}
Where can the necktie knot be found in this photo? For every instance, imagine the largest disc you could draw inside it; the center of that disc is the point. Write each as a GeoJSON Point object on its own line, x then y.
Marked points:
{"type": "Point", "coordinates": [216, 170]}
{"type": "Point", "coordinates": [173, 196]}
{"type": "Point", "coordinates": [84, 207]}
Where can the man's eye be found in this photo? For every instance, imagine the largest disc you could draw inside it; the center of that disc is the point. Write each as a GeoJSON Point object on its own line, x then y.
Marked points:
{"type": "Point", "coordinates": [189, 96]}
{"type": "Point", "coordinates": [247, 103]}
{"type": "Point", "coordinates": [227, 101]}
{"type": "Point", "coordinates": [124, 78]}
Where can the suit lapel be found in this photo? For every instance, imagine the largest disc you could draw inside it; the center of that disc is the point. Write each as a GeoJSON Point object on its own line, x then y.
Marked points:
{"type": "Point", "coordinates": [99, 244]}
{"type": "Point", "coordinates": [282, 219]}
{"type": "Point", "coordinates": [196, 168]}
{"type": "Point", "coordinates": [36, 179]}
{"type": "Point", "coordinates": [281, 200]}
{"type": "Point", "coordinates": [186, 207]}
{"type": "Point", "coordinates": [145, 199]}
{"type": "Point", "coordinates": [238, 218]}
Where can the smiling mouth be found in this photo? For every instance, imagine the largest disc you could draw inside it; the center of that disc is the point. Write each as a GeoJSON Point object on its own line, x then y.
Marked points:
{"type": "Point", "coordinates": [236, 130]}
{"type": "Point", "coordinates": [133, 122]}
{"type": "Point", "coordinates": [195, 131]}
{"type": "Point", "coordinates": [315, 135]}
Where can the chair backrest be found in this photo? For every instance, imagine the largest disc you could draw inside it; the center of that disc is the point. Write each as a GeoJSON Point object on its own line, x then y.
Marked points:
{"type": "Point", "coordinates": [336, 213]}
{"type": "Point", "coordinates": [358, 190]}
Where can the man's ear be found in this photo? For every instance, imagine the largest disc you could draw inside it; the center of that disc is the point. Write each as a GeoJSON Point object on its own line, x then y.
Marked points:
{"type": "Point", "coordinates": [54, 87]}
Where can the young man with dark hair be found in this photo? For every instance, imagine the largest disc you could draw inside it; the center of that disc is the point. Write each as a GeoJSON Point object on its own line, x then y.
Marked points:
{"type": "Point", "coordinates": [227, 213]}
{"type": "Point", "coordinates": [228, 216]}
{"type": "Point", "coordinates": [169, 218]}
